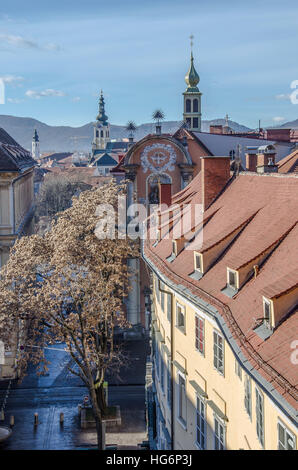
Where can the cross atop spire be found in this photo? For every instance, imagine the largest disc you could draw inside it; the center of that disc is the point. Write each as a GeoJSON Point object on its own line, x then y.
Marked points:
{"type": "Point", "coordinates": [191, 41]}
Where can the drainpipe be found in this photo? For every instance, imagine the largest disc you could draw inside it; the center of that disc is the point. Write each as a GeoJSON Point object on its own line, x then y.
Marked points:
{"type": "Point", "coordinates": [172, 360]}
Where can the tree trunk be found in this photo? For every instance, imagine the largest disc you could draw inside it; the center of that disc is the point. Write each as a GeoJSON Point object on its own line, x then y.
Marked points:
{"type": "Point", "coordinates": [101, 399]}
{"type": "Point", "coordinates": [97, 416]}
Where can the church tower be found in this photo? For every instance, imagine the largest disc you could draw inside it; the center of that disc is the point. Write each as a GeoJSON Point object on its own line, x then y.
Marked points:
{"type": "Point", "coordinates": [35, 146]}
{"type": "Point", "coordinates": [192, 97]}
{"type": "Point", "coordinates": [101, 127]}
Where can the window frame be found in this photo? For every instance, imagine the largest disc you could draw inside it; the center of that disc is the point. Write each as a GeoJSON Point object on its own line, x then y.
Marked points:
{"type": "Point", "coordinates": [248, 396]}
{"type": "Point", "coordinates": [216, 349]}
{"type": "Point", "coordinates": [180, 418]}
{"type": "Point", "coordinates": [217, 437]}
{"type": "Point", "coordinates": [198, 255]}
{"type": "Point", "coordinates": [286, 431]}
{"type": "Point", "coordinates": [260, 428]}
{"type": "Point", "coordinates": [268, 303]}
{"type": "Point", "coordinates": [238, 369]}
{"type": "Point", "coordinates": [197, 338]}
{"type": "Point", "coordinates": [169, 384]}
{"type": "Point", "coordinates": [234, 273]}
{"type": "Point", "coordinates": [201, 432]}
{"type": "Point", "coordinates": [183, 309]}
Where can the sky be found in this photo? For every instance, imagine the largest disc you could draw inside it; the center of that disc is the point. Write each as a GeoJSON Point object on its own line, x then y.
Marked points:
{"type": "Point", "coordinates": [56, 56]}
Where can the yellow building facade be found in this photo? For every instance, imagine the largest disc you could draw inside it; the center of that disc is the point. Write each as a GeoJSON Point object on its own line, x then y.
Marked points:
{"type": "Point", "coordinates": [16, 212]}
{"type": "Point", "coordinates": [217, 401]}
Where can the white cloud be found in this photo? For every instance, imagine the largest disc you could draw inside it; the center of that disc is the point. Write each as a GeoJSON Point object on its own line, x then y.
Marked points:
{"type": "Point", "coordinates": [52, 47]}
{"type": "Point", "coordinates": [41, 94]}
{"type": "Point", "coordinates": [19, 41]}
{"type": "Point", "coordinates": [14, 100]}
{"type": "Point", "coordinates": [278, 119]}
{"type": "Point", "coordinates": [11, 79]}
{"type": "Point", "coordinates": [75, 99]}
{"type": "Point", "coordinates": [283, 96]}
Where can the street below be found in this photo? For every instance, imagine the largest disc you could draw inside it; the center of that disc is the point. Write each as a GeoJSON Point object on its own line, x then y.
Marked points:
{"type": "Point", "coordinates": [61, 392]}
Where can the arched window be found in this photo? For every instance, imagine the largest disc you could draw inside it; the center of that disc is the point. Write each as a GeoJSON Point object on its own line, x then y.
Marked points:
{"type": "Point", "coordinates": [101, 133]}
{"type": "Point", "coordinates": [195, 105]}
{"type": "Point", "coordinates": [97, 133]}
{"type": "Point", "coordinates": [188, 106]}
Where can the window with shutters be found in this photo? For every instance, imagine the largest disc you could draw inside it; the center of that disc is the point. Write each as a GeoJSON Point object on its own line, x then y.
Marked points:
{"type": "Point", "coordinates": [200, 334]}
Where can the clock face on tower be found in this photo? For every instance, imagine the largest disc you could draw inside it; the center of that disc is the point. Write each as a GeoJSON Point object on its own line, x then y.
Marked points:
{"type": "Point", "coordinates": [158, 158]}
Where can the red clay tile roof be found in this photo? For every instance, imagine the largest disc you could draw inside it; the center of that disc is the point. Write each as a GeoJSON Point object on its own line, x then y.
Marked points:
{"type": "Point", "coordinates": [282, 286]}
{"type": "Point", "coordinates": [289, 164]}
{"type": "Point", "coordinates": [274, 200]}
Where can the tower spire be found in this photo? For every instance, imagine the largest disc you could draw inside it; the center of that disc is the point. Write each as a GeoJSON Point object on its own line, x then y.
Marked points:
{"type": "Point", "coordinates": [192, 95]}
{"type": "Point", "coordinates": [102, 117]}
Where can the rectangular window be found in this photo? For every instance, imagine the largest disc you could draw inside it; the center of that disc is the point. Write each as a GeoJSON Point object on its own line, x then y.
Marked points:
{"type": "Point", "coordinates": [247, 395]}
{"type": "Point", "coordinates": [260, 416]}
{"type": "Point", "coordinates": [286, 440]}
{"type": "Point", "coordinates": [174, 249]}
{"type": "Point", "coordinates": [218, 352]}
{"type": "Point", "coordinates": [201, 423]}
{"type": "Point", "coordinates": [181, 399]}
{"type": "Point", "coordinates": [169, 307]}
{"type": "Point", "coordinates": [219, 434]}
{"type": "Point", "coordinates": [232, 279]}
{"type": "Point", "coordinates": [238, 369]}
{"type": "Point", "coordinates": [198, 264]}
{"type": "Point", "coordinates": [162, 300]}
{"type": "Point", "coordinates": [157, 291]}
{"type": "Point", "coordinates": [162, 373]}
{"type": "Point", "coordinates": [267, 311]}
{"type": "Point", "coordinates": [195, 123]}
{"type": "Point", "coordinates": [200, 337]}
{"type": "Point", "coordinates": [157, 362]}
{"type": "Point", "coordinates": [180, 312]}
{"type": "Point", "coordinates": [169, 399]}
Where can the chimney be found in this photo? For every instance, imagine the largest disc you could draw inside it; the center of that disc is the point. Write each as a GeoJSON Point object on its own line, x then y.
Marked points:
{"type": "Point", "coordinates": [266, 159]}
{"type": "Point", "coordinates": [283, 135]}
{"type": "Point", "coordinates": [251, 158]}
{"type": "Point", "coordinates": [215, 173]}
{"type": "Point", "coordinates": [158, 129]}
{"type": "Point", "coordinates": [216, 129]}
{"type": "Point", "coordinates": [165, 194]}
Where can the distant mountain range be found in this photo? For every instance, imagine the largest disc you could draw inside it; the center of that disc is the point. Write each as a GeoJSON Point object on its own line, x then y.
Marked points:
{"type": "Point", "coordinates": [66, 138]}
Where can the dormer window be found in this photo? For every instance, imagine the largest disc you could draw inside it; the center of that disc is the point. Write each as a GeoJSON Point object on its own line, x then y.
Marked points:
{"type": "Point", "coordinates": [267, 311]}
{"type": "Point", "coordinates": [174, 248]}
{"type": "Point", "coordinates": [198, 262]}
{"type": "Point", "coordinates": [270, 161]}
{"type": "Point", "coordinates": [232, 279]}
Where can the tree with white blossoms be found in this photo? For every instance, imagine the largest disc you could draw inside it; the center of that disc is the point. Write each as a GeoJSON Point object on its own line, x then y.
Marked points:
{"type": "Point", "coordinates": [68, 285]}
